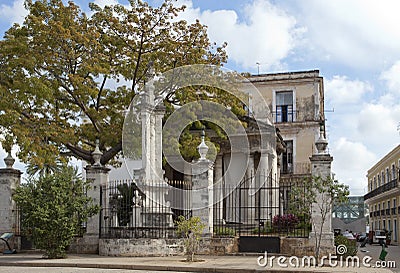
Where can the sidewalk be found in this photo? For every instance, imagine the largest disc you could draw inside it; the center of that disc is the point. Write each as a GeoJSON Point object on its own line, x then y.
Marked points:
{"type": "Point", "coordinates": [228, 264]}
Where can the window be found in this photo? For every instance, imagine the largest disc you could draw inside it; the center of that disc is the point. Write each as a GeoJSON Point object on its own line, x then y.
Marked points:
{"type": "Point", "coordinates": [287, 158]}
{"type": "Point", "coordinates": [388, 204]}
{"type": "Point", "coordinates": [284, 106]}
{"type": "Point", "coordinates": [383, 177]}
{"type": "Point", "coordinates": [387, 175]}
{"type": "Point", "coordinates": [394, 172]}
{"type": "Point", "coordinates": [379, 180]}
{"type": "Point", "coordinates": [394, 203]}
{"type": "Point", "coordinates": [374, 182]}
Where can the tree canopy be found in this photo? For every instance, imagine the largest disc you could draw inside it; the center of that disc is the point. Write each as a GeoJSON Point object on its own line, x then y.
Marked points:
{"type": "Point", "coordinates": [67, 78]}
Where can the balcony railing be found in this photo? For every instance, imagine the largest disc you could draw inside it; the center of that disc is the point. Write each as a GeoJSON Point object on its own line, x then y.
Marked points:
{"type": "Point", "coordinates": [297, 168]}
{"type": "Point", "coordinates": [387, 211]}
{"type": "Point", "coordinates": [384, 188]}
{"type": "Point", "coordinates": [393, 211]}
{"type": "Point", "coordinates": [383, 212]}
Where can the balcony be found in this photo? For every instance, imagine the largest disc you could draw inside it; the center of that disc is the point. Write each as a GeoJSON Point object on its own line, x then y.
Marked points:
{"type": "Point", "coordinates": [383, 212]}
{"type": "Point", "coordinates": [297, 168]}
{"type": "Point", "coordinates": [387, 212]}
{"type": "Point", "coordinates": [393, 211]}
{"type": "Point", "coordinates": [384, 188]}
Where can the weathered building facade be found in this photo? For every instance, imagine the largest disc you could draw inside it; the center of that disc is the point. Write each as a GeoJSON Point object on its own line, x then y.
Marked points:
{"type": "Point", "coordinates": [383, 197]}
{"type": "Point", "coordinates": [296, 100]}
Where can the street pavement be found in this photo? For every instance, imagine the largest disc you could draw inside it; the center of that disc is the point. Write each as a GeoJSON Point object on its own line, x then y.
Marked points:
{"type": "Point", "coordinates": [33, 262]}
{"type": "Point", "coordinates": [393, 254]}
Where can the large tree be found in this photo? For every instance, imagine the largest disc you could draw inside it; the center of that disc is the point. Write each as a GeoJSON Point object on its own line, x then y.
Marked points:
{"type": "Point", "coordinates": [66, 78]}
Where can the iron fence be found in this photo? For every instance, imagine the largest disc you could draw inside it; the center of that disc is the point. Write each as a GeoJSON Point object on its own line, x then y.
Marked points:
{"type": "Point", "coordinates": [146, 210]}
{"type": "Point", "coordinates": [260, 207]}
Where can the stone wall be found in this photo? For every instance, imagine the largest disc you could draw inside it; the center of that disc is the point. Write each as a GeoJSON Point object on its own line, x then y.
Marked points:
{"type": "Point", "coordinates": [305, 247]}
{"type": "Point", "coordinates": [164, 247]}
{"type": "Point", "coordinates": [88, 244]}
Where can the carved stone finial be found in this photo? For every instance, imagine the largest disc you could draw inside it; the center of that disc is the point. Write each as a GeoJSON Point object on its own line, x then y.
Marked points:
{"type": "Point", "coordinates": [321, 143]}
{"type": "Point", "coordinates": [96, 154]}
{"type": "Point", "coordinates": [9, 160]}
{"type": "Point", "coordinates": [202, 148]}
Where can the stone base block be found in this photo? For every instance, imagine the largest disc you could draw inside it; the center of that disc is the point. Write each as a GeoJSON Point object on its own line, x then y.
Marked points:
{"type": "Point", "coordinates": [88, 244]}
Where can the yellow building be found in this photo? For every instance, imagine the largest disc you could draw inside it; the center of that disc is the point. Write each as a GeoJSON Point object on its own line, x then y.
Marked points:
{"type": "Point", "coordinates": [383, 197]}
{"type": "Point", "coordinates": [296, 100]}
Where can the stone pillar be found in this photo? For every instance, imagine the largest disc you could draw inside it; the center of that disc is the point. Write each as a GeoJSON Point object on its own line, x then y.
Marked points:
{"type": "Point", "coordinates": [202, 188]}
{"type": "Point", "coordinates": [202, 194]}
{"type": "Point", "coordinates": [10, 178]}
{"type": "Point", "coordinates": [321, 166]}
{"type": "Point", "coordinates": [158, 116]}
{"type": "Point", "coordinates": [98, 175]}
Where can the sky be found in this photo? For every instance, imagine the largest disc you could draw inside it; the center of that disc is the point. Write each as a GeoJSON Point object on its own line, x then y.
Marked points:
{"type": "Point", "coordinates": [355, 44]}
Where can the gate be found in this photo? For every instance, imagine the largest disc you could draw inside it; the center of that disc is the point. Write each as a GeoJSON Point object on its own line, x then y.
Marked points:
{"type": "Point", "coordinates": [257, 210]}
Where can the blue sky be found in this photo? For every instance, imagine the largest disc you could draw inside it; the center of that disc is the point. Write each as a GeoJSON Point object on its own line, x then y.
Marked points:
{"type": "Point", "coordinates": [354, 43]}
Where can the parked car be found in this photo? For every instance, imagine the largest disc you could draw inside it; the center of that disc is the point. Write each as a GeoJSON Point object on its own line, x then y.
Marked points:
{"type": "Point", "coordinates": [348, 235]}
{"type": "Point", "coordinates": [361, 236]}
{"type": "Point", "coordinates": [377, 236]}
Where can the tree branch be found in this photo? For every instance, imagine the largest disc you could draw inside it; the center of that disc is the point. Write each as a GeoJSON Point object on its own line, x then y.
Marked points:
{"type": "Point", "coordinates": [109, 154]}
{"type": "Point", "coordinates": [100, 91]}
{"type": "Point", "coordinates": [80, 153]}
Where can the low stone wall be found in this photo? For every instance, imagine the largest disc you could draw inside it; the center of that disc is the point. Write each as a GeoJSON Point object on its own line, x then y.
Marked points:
{"type": "Point", "coordinates": [88, 244]}
{"type": "Point", "coordinates": [164, 247]}
{"type": "Point", "coordinates": [306, 246]}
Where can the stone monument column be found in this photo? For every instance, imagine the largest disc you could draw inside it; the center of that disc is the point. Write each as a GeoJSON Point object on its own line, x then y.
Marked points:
{"type": "Point", "coordinates": [202, 189]}
{"type": "Point", "coordinates": [98, 175]}
{"type": "Point", "coordinates": [10, 178]}
{"type": "Point", "coordinates": [321, 166]}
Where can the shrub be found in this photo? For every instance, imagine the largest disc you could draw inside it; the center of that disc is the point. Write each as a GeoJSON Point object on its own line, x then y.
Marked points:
{"type": "Point", "coordinates": [224, 231]}
{"type": "Point", "coordinates": [288, 221]}
{"type": "Point", "coordinates": [191, 229]}
{"type": "Point", "coordinates": [351, 246]}
{"type": "Point", "coordinates": [55, 206]}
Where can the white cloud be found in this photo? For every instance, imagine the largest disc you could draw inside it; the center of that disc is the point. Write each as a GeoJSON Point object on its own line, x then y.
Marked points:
{"type": "Point", "coordinates": [342, 90]}
{"type": "Point", "coordinates": [392, 78]}
{"type": "Point", "coordinates": [103, 3]}
{"type": "Point", "coordinates": [14, 13]}
{"type": "Point", "coordinates": [358, 33]}
{"type": "Point", "coordinates": [266, 35]}
{"type": "Point", "coordinates": [351, 162]}
{"type": "Point", "coordinates": [377, 126]}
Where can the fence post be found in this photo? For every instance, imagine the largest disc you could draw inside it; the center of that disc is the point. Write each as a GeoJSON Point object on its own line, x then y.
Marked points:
{"type": "Point", "coordinates": [10, 178]}
{"type": "Point", "coordinates": [98, 175]}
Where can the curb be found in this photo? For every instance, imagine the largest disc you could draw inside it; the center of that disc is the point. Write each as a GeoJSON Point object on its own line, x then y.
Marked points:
{"type": "Point", "coordinates": [151, 267]}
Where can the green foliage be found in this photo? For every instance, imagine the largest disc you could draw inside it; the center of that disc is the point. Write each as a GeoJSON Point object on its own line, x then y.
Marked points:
{"type": "Point", "coordinates": [351, 246]}
{"type": "Point", "coordinates": [54, 206]}
{"type": "Point", "coordinates": [191, 229]}
{"type": "Point", "coordinates": [267, 228]}
{"type": "Point", "coordinates": [224, 231]}
{"type": "Point", "coordinates": [317, 195]}
{"type": "Point", "coordinates": [67, 79]}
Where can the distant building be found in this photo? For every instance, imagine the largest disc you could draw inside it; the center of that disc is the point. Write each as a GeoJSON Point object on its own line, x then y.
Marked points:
{"type": "Point", "coordinates": [383, 197]}
{"type": "Point", "coordinates": [351, 215]}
